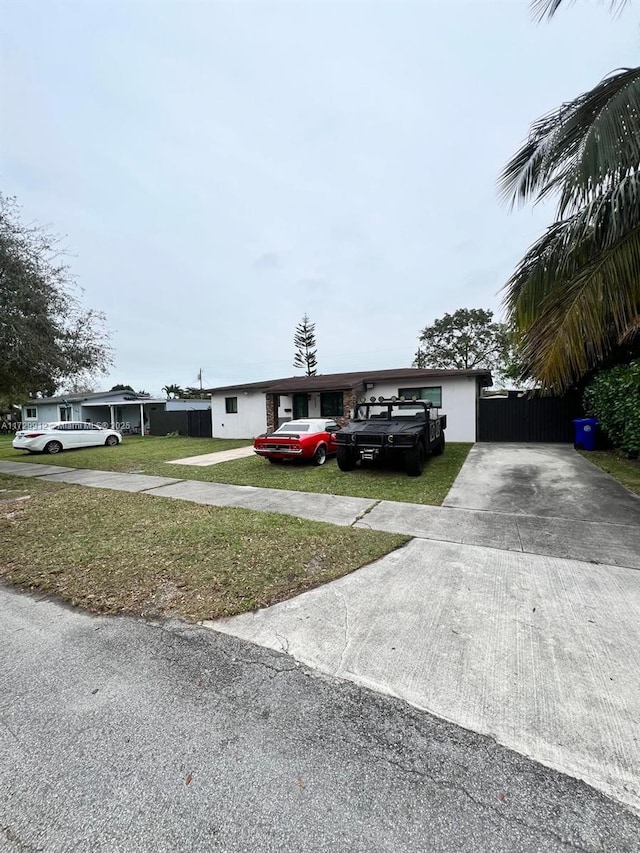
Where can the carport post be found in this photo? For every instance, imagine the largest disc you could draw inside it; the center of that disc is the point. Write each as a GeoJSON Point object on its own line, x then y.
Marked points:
{"type": "Point", "coordinates": [141, 418]}
{"type": "Point", "coordinates": [111, 418]}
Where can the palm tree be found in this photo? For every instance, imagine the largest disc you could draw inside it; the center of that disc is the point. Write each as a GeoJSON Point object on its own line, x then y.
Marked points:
{"type": "Point", "coordinates": [173, 390]}
{"type": "Point", "coordinates": [548, 8]}
{"type": "Point", "coordinates": [576, 293]}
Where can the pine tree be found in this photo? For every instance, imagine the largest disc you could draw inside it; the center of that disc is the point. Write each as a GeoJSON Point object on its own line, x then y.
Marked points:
{"type": "Point", "coordinates": [305, 342]}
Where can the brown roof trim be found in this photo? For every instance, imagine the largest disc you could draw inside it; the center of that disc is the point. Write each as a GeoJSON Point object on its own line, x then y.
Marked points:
{"type": "Point", "coordinates": [349, 381]}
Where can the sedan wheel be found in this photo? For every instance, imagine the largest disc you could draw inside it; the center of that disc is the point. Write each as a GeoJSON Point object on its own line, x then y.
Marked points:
{"type": "Point", "coordinates": [320, 456]}
{"type": "Point", "coordinates": [111, 441]}
{"type": "Point", "coordinates": [53, 447]}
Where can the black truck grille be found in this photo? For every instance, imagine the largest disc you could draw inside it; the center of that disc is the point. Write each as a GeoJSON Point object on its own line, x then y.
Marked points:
{"type": "Point", "coordinates": [369, 440]}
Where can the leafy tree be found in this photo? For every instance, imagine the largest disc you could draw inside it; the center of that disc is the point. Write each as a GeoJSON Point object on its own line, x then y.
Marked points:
{"type": "Point", "coordinates": [305, 342]}
{"type": "Point", "coordinates": [575, 296]}
{"type": "Point", "coordinates": [78, 388]}
{"type": "Point", "coordinates": [46, 337]}
{"type": "Point", "coordinates": [467, 339]}
{"type": "Point", "coordinates": [122, 388]}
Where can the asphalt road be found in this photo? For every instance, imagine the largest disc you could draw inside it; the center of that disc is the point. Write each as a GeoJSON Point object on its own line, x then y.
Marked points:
{"type": "Point", "coordinates": [119, 735]}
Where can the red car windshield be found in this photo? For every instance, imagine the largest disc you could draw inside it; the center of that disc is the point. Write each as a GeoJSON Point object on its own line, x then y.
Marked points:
{"type": "Point", "coordinates": [293, 428]}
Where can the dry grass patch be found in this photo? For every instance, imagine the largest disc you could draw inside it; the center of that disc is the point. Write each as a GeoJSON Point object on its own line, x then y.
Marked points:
{"type": "Point", "coordinates": [117, 552]}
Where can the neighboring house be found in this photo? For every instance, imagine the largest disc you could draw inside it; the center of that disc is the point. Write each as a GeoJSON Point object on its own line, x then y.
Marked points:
{"type": "Point", "coordinates": [246, 410]}
{"type": "Point", "coordinates": [123, 410]}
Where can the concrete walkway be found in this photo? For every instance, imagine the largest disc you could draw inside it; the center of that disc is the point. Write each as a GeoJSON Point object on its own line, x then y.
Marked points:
{"type": "Point", "coordinates": [515, 612]}
{"type": "Point", "coordinates": [214, 458]}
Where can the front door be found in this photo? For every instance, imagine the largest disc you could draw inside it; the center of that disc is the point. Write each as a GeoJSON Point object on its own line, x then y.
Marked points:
{"type": "Point", "coordinates": [300, 406]}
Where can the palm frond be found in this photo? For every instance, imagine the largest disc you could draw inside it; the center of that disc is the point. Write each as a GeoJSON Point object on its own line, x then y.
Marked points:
{"type": "Point", "coordinates": [547, 8]}
{"type": "Point", "coordinates": [577, 290]}
{"type": "Point", "coordinates": [581, 149]}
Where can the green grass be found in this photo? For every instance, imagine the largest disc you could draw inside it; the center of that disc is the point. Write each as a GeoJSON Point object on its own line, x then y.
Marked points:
{"type": "Point", "coordinates": [150, 455]}
{"type": "Point", "coordinates": [626, 471]}
{"type": "Point", "coordinates": [117, 552]}
{"type": "Point", "coordinates": [134, 452]}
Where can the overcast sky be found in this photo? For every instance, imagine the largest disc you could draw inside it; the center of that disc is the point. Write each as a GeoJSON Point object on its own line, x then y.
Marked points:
{"type": "Point", "coordinates": [220, 168]}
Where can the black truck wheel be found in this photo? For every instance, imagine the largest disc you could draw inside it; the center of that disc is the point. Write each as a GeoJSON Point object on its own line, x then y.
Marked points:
{"type": "Point", "coordinates": [438, 449]}
{"type": "Point", "coordinates": [346, 459]}
{"type": "Point", "coordinates": [414, 460]}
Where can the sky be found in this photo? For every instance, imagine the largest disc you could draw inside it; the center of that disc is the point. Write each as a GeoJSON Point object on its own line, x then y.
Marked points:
{"type": "Point", "coordinates": [219, 169]}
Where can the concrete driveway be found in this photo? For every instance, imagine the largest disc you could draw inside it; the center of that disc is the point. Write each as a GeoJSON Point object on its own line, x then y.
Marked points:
{"type": "Point", "coordinates": [525, 643]}
{"type": "Point", "coordinates": [543, 480]}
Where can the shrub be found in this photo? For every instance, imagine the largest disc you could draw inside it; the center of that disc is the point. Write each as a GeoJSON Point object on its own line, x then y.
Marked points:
{"type": "Point", "coordinates": [613, 397]}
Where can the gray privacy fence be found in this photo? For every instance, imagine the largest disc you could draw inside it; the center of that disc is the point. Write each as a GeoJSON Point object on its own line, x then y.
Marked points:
{"type": "Point", "coordinates": [196, 424]}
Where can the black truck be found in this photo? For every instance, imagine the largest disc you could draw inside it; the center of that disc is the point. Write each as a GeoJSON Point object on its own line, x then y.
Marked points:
{"type": "Point", "coordinates": [394, 428]}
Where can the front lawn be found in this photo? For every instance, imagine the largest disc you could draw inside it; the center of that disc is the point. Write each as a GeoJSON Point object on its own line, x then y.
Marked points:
{"type": "Point", "coordinates": [134, 452]}
{"type": "Point", "coordinates": [118, 552]}
{"type": "Point", "coordinates": [370, 482]}
{"type": "Point", "coordinates": [626, 471]}
{"type": "Point", "coordinates": [150, 455]}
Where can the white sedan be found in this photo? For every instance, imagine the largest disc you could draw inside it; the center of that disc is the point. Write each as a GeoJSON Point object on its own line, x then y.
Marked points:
{"type": "Point", "coordinates": [64, 435]}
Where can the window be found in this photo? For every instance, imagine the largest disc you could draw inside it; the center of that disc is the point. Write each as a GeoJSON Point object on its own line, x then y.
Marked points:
{"type": "Point", "coordinates": [434, 395]}
{"type": "Point", "coordinates": [331, 404]}
{"type": "Point", "coordinates": [31, 413]}
{"type": "Point", "coordinates": [65, 413]}
{"type": "Point", "coordinates": [231, 405]}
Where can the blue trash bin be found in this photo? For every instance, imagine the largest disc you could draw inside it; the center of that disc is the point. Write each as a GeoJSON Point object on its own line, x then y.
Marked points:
{"type": "Point", "coordinates": [585, 433]}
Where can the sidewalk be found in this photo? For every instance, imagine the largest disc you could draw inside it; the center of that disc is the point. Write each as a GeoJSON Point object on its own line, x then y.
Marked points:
{"type": "Point", "coordinates": [593, 541]}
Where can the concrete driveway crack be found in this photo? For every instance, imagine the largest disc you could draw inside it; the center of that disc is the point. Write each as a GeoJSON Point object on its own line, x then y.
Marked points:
{"type": "Point", "coordinates": [519, 536]}
{"type": "Point", "coordinates": [284, 642]}
{"type": "Point", "coordinates": [345, 610]}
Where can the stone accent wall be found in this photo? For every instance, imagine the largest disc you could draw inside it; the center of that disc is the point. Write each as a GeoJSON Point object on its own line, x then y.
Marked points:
{"type": "Point", "coordinates": [272, 414]}
{"type": "Point", "coordinates": [349, 399]}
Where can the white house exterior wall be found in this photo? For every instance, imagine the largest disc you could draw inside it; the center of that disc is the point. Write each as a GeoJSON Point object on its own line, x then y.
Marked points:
{"type": "Point", "coordinates": [459, 396]}
{"type": "Point", "coordinates": [248, 422]}
{"type": "Point", "coordinates": [458, 403]}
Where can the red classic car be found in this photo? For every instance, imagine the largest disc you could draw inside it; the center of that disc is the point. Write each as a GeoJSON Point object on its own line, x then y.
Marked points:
{"type": "Point", "coordinates": [312, 439]}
